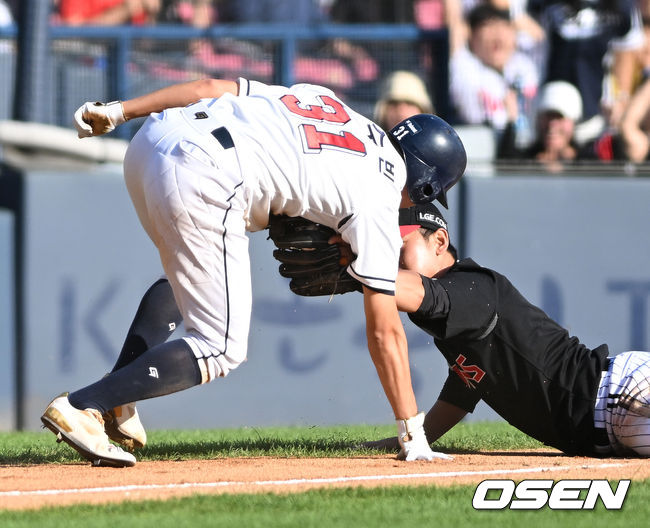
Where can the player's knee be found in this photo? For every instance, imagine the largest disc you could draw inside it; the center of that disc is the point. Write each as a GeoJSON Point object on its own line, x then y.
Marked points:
{"type": "Point", "coordinates": [212, 360]}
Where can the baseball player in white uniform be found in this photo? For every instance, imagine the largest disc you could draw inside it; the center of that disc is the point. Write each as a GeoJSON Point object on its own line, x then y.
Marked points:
{"type": "Point", "coordinates": [212, 161]}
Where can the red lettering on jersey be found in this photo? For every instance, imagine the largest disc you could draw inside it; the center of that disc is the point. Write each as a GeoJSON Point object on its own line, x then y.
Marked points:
{"type": "Point", "coordinates": [332, 111]}
{"type": "Point", "coordinates": [316, 140]}
{"type": "Point", "coordinates": [470, 374]}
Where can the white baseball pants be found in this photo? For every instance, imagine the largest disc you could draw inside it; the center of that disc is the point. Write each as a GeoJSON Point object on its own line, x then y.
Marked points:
{"type": "Point", "coordinates": [623, 404]}
{"type": "Point", "coordinates": [189, 195]}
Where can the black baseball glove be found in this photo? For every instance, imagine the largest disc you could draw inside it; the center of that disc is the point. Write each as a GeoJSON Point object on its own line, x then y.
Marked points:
{"type": "Point", "coordinates": [314, 266]}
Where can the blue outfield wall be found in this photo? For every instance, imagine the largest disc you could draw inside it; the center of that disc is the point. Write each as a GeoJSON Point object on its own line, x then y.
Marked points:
{"type": "Point", "coordinates": [576, 247]}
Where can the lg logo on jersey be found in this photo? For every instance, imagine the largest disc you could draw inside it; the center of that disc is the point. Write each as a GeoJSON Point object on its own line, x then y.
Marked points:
{"type": "Point", "coordinates": [535, 494]}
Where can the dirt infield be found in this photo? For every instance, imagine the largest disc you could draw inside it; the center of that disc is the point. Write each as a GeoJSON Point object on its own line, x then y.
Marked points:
{"type": "Point", "coordinates": [24, 487]}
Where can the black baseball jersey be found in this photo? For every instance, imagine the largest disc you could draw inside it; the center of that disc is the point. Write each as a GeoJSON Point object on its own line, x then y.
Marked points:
{"type": "Point", "coordinates": [509, 353]}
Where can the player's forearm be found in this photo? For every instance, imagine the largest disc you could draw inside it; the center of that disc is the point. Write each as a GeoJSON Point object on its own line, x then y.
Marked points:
{"type": "Point", "coordinates": [391, 362]}
{"type": "Point", "coordinates": [441, 418]}
{"type": "Point", "coordinates": [389, 352]}
{"type": "Point", "coordinates": [177, 95]}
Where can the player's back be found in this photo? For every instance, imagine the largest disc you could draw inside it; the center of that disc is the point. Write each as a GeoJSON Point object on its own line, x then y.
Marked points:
{"type": "Point", "coordinates": [554, 375]}
{"type": "Point", "coordinates": [518, 360]}
{"type": "Point", "coordinates": [305, 153]}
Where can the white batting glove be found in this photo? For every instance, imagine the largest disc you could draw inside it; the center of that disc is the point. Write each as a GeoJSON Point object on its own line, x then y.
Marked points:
{"type": "Point", "coordinates": [413, 441]}
{"type": "Point", "coordinates": [95, 119]}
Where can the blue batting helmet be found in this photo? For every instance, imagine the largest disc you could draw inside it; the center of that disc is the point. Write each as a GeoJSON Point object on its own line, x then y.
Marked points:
{"type": "Point", "coordinates": [434, 154]}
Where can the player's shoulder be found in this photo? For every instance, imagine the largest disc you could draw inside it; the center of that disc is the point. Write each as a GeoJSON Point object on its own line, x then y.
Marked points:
{"type": "Point", "coordinates": [466, 269]}
{"type": "Point", "coordinates": [305, 92]}
{"type": "Point", "coordinates": [312, 88]}
{"type": "Point", "coordinates": [252, 87]}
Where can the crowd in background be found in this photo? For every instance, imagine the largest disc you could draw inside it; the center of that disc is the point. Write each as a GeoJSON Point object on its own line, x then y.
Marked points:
{"type": "Point", "coordinates": [557, 81]}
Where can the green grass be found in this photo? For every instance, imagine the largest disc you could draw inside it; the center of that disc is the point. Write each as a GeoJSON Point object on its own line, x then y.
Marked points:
{"type": "Point", "coordinates": [417, 506]}
{"type": "Point", "coordinates": [342, 441]}
{"type": "Point", "coordinates": [423, 506]}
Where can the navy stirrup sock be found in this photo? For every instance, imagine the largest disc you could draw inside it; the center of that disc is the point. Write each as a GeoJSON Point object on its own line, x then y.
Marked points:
{"type": "Point", "coordinates": [154, 322]}
{"type": "Point", "coordinates": [163, 369]}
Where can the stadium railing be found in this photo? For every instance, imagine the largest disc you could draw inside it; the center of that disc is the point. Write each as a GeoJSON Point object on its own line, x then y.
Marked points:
{"type": "Point", "coordinates": [118, 62]}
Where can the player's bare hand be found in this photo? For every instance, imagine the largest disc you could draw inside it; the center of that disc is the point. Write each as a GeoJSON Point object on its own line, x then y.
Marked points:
{"type": "Point", "coordinates": [347, 255]}
{"type": "Point", "coordinates": [95, 119]}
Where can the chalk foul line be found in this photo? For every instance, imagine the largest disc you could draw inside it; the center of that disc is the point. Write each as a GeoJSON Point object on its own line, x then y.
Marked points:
{"type": "Point", "coordinates": [291, 482]}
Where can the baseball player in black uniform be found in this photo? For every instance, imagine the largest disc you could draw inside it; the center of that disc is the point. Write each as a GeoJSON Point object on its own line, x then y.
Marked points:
{"type": "Point", "coordinates": [505, 351]}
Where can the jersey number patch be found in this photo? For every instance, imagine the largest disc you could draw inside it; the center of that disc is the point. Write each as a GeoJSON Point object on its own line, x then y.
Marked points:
{"type": "Point", "coordinates": [332, 112]}
{"type": "Point", "coordinates": [470, 374]}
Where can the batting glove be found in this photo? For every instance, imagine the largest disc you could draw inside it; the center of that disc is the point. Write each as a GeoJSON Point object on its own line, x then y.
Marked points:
{"type": "Point", "coordinates": [95, 119]}
{"type": "Point", "coordinates": [413, 441]}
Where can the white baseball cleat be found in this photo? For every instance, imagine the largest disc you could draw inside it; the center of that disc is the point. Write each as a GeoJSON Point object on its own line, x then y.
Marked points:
{"type": "Point", "coordinates": [123, 425]}
{"type": "Point", "coordinates": [84, 432]}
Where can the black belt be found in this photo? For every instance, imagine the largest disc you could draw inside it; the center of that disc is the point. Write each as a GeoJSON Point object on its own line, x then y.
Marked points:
{"type": "Point", "coordinates": [600, 437]}
{"type": "Point", "coordinates": [601, 440]}
{"type": "Point", "coordinates": [222, 135]}
{"type": "Point", "coordinates": [607, 364]}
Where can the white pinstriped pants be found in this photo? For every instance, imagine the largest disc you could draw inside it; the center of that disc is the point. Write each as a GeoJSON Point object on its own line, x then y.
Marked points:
{"type": "Point", "coordinates": [190, 198]}
{"type": "Point", "coordinates": [623, 404]}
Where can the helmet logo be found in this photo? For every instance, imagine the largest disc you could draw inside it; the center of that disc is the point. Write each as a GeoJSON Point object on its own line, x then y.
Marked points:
{"type": "Point", "coordinates": [408, 127]}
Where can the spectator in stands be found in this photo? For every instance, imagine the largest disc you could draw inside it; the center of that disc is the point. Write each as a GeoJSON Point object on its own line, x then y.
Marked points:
{"type": "Point", "coordinates": [635, 125]}
{"type": "Point", "coordinates": [228, 58]}
{"type": "Point", "coordinates": [580, 34]}
{"type": "Point", "coordinates": [529, 34]}
{"type": "Point", "coordinates": [640, 66]}
{"type": "Point", "coordinates": [338, 64]}
{"type": "Point", "coordinates": [559, 109]}
{"type": "Point", "coordinates": [642, 71]}
{"type": "Point", "coordinates": [363, 65]}
{"type": "Point", "coordinates": [431, 14]}
{"type": "Point", "coordinates": [107, 12]}
{"type": "Point", "coordinates": [490, 69]}
{"type": "Point", "coordinates": [402, 95]}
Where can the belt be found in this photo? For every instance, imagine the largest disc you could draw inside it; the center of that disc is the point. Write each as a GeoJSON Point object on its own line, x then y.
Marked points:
{"type": "Point", "coordinates": [607, 364]}
{"type": "Point", "coordinates": [224, 138]}
{"type": "Point", "coordinates": [600, 437]}
{"type": "Point", "coordinates": [601, 440]}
